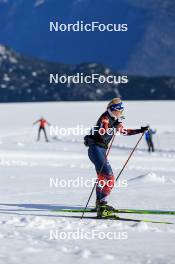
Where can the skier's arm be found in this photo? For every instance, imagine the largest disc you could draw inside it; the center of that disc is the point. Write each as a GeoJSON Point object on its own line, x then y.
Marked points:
{"type": "Point", "coordinates": [154, 131]}
{"type": "Point", "coordinates": [34, 123]}
{"type": "Point", "coordinates": [129, 132]}
{"type": "Point", "coordinates": [48, 123]}
{"type": "Point", "coordinates": [104, 124]}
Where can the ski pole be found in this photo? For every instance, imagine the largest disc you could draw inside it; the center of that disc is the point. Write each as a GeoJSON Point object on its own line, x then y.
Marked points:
{"type": "Point", "coordinates": [130, 156]}
{"type": "Point", "coordinates": [107, 153]}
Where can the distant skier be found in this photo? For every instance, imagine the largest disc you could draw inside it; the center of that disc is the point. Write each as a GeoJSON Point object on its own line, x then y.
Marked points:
{"type": "Point", "coordinates": [149, 139]}
{"type": "Point", "coordinates": [42, 124]}
{"type": "Point", "coordinates": [98, 141]}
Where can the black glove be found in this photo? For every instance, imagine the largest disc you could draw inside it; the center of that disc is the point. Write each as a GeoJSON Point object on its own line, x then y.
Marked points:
{"type": "Point", "coordinates": [117, 122]}
{"type": "Point", "coordinates": [143, 129]}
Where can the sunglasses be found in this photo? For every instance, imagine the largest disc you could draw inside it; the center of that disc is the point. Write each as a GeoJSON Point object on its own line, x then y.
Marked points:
{"type": "Point", "coordinates": [117, 107]}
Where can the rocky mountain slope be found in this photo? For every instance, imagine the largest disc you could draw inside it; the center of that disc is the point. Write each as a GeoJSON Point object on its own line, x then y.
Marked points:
{"type": "Point", "coordinates": [23, 79]}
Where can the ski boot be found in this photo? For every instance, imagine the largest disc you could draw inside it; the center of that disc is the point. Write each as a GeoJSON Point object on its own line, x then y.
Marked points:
{"type": "Point", "coordinates": [104, 210]}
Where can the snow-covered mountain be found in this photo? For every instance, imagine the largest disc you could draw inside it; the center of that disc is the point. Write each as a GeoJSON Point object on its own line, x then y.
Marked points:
{"type": "Point", "coordinates": [146, 49]}
{"type": "Point", "coordinates": [27, 79]}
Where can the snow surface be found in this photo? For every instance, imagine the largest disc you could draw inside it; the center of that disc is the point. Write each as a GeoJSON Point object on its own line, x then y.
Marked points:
{"type": "Point", "coordinates": [28, 200]}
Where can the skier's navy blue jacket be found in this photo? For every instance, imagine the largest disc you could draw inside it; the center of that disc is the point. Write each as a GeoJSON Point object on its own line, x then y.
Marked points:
{"type": "Point", "coordinates": [149, 133]}
{"type": "Point", "coordinates": [106, 126]}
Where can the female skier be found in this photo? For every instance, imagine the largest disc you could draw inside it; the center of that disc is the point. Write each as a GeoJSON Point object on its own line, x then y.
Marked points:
{"type": "Point", "coordinates": [98, 142]}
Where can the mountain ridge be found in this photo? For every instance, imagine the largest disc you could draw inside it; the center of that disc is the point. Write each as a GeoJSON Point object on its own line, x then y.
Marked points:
{"type": "Point", "coordinates": [25, 79]}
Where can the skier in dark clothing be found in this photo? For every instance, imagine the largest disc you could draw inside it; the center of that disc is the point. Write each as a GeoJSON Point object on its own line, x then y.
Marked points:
{"type": "Point", "coordinates": [149, 139]}
{"type": "Point", "coordinates": [98, 141]}
{"type": "Point", "coordinates": [42, 124]}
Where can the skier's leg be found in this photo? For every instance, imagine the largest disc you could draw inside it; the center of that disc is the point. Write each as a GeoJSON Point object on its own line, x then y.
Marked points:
{"type": "Point", "coordinates": [104, 186]}
{"type": "Point", "coordinates": [104, 171]}
{"type": "Point", "coordinates": [149, 145]}
{"type": "Point", "coordinates": [45, 134]}
{"type": "Point", "coordinates": [39, 132]}
{"type": "Point", "coordinates": [152, 145]}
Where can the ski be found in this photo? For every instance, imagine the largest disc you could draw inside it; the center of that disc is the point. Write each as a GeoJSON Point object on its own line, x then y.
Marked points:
{"type": "Point", "coordinates": [117, 218]}
{"type": "Point", "coordinates": [141, 211]}
{"type": "Point", "coordinates": [125, 211]}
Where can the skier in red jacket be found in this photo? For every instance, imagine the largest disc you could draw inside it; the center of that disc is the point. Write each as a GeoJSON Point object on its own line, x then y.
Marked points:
{"type": "Point", "coordinates": [42, 124]}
